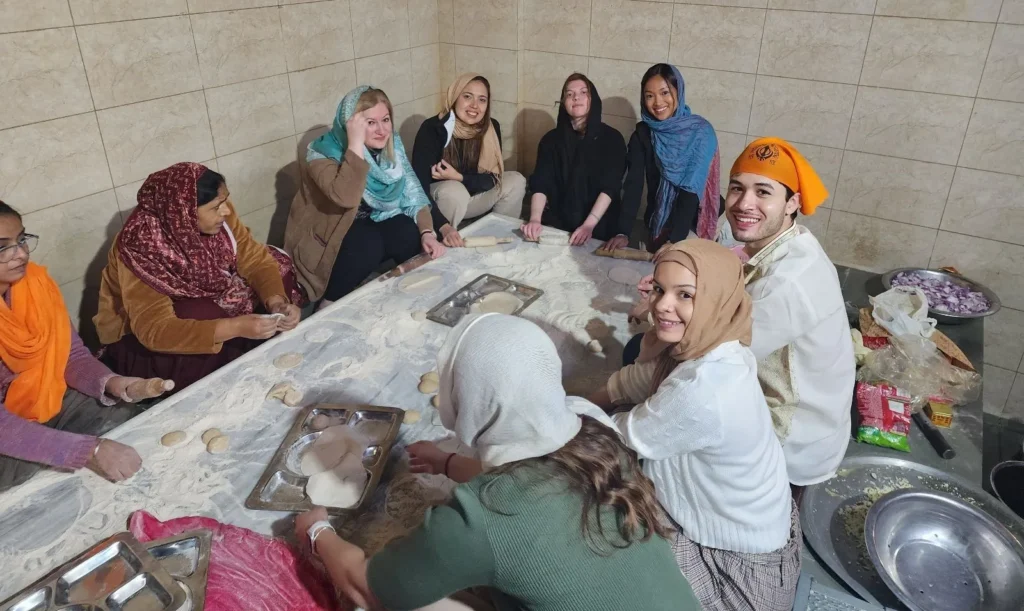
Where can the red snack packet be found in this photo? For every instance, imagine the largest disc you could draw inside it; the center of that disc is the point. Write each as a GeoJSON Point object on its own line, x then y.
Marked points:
{"type": "Point", "coordinates": [884, 416]}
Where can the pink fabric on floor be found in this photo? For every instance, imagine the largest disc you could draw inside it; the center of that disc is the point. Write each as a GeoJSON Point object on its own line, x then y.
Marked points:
{"type": "Point", "coordinates": [247, 570]}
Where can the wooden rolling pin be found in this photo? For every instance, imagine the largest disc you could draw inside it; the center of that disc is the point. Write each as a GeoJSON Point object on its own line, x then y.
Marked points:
{"type": "Point", "coordinates": [413, 263]}
{"type": "Point", "coordinates": [486, 240]}
{"type": "Point", "coordinates": [630, 254]}
{"type": "Point", "coordinates": [550, 240]}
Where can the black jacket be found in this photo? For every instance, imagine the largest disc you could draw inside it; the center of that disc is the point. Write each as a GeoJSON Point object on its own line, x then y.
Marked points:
{"type": "Point", "coordinates": [428, 149]}
{"type": "Point", "coordinates": [573, 170]}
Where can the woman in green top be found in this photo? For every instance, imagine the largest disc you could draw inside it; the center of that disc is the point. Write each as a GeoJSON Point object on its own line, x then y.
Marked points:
{"type": "Point", "coordinates": [555, 514]}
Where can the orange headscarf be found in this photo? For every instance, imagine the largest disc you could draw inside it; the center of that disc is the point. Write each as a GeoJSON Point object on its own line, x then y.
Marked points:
{"type": "Point", "coordinates": [35, 343]}
{"type": "Point", "coordinates": [779, 160]}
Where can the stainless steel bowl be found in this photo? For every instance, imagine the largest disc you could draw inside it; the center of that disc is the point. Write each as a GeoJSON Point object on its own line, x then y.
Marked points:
{"type": "Point", "coordinates": [943, 316]}
{"type": "Point", "coordinates": [938, 553]}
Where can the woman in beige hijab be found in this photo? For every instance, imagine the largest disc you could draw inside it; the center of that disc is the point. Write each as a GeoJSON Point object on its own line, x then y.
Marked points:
{"type": "Point", "coordinates": [457, 157]}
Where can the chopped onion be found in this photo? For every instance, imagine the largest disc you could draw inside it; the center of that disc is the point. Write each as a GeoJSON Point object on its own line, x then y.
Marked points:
{"type": "Point", "coordinates": [945, 296]}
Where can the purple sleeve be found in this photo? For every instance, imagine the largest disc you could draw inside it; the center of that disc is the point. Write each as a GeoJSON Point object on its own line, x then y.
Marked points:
{"type": "Point", "coordinates": [31, 441]}
{"type": "Point", "coordinates": [85, 373]}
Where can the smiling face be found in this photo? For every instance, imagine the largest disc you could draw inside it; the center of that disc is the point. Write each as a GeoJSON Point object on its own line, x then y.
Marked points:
{"type": "Point", "coordinates": [675, 286]}
{"type": "Point", "coordinates": [11, 230]}
{"type": "Point", "coordinates": [576, 100]}
{"type": "Point", "coordinates": [471, 105]}
{"type": "Point", "coordinates": [660, 98]}
{"type": "Point", "coordinates": [211, 215]}
{"type": "Point", "coordinates": [758, 209]}
{"type": "Point", "coordinates": [379, 127]}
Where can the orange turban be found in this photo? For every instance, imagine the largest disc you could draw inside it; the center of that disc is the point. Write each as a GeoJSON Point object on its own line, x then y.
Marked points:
{"type": "Point", "coordinates": [779, 160]}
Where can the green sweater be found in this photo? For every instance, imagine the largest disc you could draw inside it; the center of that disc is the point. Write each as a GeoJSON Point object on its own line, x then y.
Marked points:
{"type": "Point", "coordinates": [525, 545]}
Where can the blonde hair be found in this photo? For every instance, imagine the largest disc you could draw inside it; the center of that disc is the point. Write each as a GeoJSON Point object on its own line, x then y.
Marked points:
{"type": "Point", "coordinates": [370, 98]}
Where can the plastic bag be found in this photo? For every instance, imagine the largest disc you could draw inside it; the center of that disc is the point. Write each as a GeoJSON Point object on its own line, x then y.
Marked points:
{"type": "Point", "coordinates": [903, 310]}
{"type": "Point", "coordinates": [916, 365]}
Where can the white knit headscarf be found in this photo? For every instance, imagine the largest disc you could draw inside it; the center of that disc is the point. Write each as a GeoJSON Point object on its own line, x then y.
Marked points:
{"type": "Point", "coordinates": [501, 390]}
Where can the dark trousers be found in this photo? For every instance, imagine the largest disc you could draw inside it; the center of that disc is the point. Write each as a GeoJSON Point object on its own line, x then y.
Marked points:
{"type": "Point", "coordinates": [78, 414]}
{"type": "Point", "coordinates": [368, 244]}
{"type": "Point", "coordinates": [632, 350]}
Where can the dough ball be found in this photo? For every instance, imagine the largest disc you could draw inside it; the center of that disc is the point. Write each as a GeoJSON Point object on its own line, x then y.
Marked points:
{"type": "Point", "coordinates": [339, 487]}
{"type": "Point", "coordinates": [436, 401]}
{"type": "Point", "coordinates": [428, 386]}
{"type": "Point", "coordinates": [625, 275]}
{"type": "Point", "coordinates": [594, 346]}
{"type": "Point", "coordinates": [411, 417]}
{"type": "Point", "coordinates": [421, 283]}
{"type": "Point", "coordinates": [292, 397]}
{"type": "Point", "coordinates": [419, 315]}
{"type": "Point", "coordinates": [174, 438]}
{"type": "Point", "coordinates": [209, 434]}
{"type": "Point", "coordinates": [329, 449]}
{"type": "Point", "coordinates": [288, 360]}
{"type": "Point", "coordinates": [431, 375]}
{"type": "Point", "coordinates": [501, 303]}
{"type": "Point", "coordinates": [218, 444]}
{"type": "Point", "coordinates": [321, 421]}
{"type": "Point", "coordinates": [319, 335]}
{"type": "Point", "coordinates": [286, 393]}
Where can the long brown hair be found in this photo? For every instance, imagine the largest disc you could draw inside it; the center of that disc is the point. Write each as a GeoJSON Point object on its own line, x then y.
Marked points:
{"type": "Point", "coordinates": [464, 155]}
{"type": "Point", "coordinates": [600, 468]}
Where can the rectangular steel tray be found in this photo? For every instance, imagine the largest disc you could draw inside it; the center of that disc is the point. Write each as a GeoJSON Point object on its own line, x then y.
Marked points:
{"type": "Point", "coordinates": [282, 485]}
{"type": "Point", "coordinates": [187, 558]}
{"type": "Point", "coordinates": [116, 574]}
{"type": "Point", "coordinates": [454, 307]}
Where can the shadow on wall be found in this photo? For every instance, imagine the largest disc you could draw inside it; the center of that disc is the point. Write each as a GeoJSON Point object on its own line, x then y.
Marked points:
{"type": "Point", "coordinates": [408, 130]}
{"type": "Point", "coordinates": [89, 303]}
{"type": "Point", "coordinates": [530, 126]}
{"type": "Point", "coordinates": [286, 185]}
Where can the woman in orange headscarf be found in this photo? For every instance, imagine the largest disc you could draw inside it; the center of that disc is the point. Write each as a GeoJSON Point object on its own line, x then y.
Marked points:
{"type": "Point", "coordinates": [55, 396]}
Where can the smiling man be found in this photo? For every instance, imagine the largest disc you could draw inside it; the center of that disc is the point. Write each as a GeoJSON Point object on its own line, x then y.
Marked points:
{"type": "Point", "coordinates": [801, 335]}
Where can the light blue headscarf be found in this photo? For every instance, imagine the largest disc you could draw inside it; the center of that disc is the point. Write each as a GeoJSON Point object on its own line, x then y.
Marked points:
{"type": "Point", "coordinates": [388, 192]}
{"type": "Point", "coordinates": [684, 145]}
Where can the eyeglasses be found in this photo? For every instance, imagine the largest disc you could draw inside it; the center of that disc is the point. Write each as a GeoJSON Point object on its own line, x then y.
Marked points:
{"type": "Point", "coordinates": [26, 241]}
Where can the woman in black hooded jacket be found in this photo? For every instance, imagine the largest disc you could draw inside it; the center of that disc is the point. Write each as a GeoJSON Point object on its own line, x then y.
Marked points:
{"type": "Point", "coordinates": [577, 182]}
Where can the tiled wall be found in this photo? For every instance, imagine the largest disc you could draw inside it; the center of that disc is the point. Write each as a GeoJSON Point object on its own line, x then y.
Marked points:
{"type": "Point", "coordinates": [97, 94]}
{"type": "Point", "coordinates": [912, 111]}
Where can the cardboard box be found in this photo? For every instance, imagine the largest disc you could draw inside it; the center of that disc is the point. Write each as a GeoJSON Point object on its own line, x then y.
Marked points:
{"type": "Point", "coordinates": [941, 414]}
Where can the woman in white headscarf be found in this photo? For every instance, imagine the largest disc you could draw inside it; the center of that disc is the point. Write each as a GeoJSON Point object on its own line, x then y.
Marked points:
{"type": "Point", "coordinates": [556, 514]}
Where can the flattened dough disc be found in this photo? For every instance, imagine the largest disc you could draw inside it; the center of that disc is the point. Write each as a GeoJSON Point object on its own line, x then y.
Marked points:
{"type": "Point", "coordinates": [501, 303]}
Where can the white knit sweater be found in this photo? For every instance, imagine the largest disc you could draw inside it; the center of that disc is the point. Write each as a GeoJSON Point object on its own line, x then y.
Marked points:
{"type": "Point", "coordinates": [707, 439]}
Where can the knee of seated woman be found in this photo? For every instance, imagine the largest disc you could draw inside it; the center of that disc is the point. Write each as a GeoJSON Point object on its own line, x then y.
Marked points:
{"type": "Point", "coordinates": [513, 182]}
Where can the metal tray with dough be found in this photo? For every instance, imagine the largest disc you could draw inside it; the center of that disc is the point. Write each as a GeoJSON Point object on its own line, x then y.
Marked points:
{"type": "Point", "coordinates": [116, 574]}
{"type": "Point", "coordinates": [187, 558]}
{"type": "Point", "coordinates": [833, 514]}
{"type": "Point", "coordinates": [282, 487]}
{"type": "Point", "coordinates": [460, 303]}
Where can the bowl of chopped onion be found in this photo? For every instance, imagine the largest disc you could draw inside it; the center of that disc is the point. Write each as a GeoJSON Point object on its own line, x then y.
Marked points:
{"type": "Point", "coordinates": [952, 299]}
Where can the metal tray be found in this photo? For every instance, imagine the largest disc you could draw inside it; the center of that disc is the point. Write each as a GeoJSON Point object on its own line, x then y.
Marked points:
{"type": "Point", "coordinates": [813, 596]}
{"type": "Point", "coordinates": [832, 515]}
{"type": "Point", "coordinates": [116, 574]}
{"type": "Point", "coordinates": [282, 485]}
{"type": "Point", "coordinates": [453, 307]}
{"type": "Point", "coordinates": [187, 558]}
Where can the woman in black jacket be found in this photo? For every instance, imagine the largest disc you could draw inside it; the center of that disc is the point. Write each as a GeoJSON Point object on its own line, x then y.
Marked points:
{"type": "Point", "coordinates": [580, 163]}
{"type": "Point", "coordinates": [457, 158]}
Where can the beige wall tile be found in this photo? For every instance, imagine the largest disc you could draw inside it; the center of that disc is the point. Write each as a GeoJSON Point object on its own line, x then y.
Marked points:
{"type": "Point", "coordinates": [1004, 338]}
{"type": "Point", "coordinates": [1014, 408]}
{"type": "Point", "coordinates": [498, 65]}
{"type": "Point", "coordinates": [127, 194]}
{"type": "Point", "coordinates": [860, 7]}
{"type": "Point", "coordinates": [239, 46]}
{"type": "Point", "coordinates": [922, 126]}
{"type": "Point", "coordinates": [250, 113]}
{"type": "Point", "coordinates": [875, 244]}
{"type": "Point", "coordinates": [206, 6]}
{"type": "Point", "coordinates": [716, 37]}
{"type": "Point", "coordinates": [967, 10]}
{"type": "Point", "coordinates": [448, 72]}
{"type": "Point", "coordinates": [927, 55]}
{"type": "Point", "coordinates": [995, 138]}
{"type": "Point", "coordinates": [556, 27]}
{"type": "Point", "coordinates": [997, 265]}
{"type": "Point", "coordinates": [446, 20]}
{"type": "Point", "coordinates": [816, 46]}
{"type": "Point", "coordinates": [536, 120]}
{"type": "Point", "coordinates": [423, 23]}
{"type": "Point", "coordinates": [729, 148]}
{"type": "Point", "coordinates": [75, 237]}
{"type": "Point", "coordinates": [391, 72]}
{"type": "Point", "coordinates": [986, 205]}
{"type": "Point", "coordinates": [805, 111]}
{"type": "Point", "coordinates": [1013, 12]}
{"type": "Point", "coordinates": [49, 163]}
{"type": "Point", "coordinates": [995, 388]}
{"type": "Point", "coordinates": [262, 176]}
{"type": "Point", "coordinates": [1004, 71]}
{"type": "Point", "coordinates": [636, 31]}
{"type": "Point", "coordinates": [506, 115]}
{"type": "Point", "coordinates": [426, 70]}
{"type": "Point", "coordinates": [490, 23]}
{"type": "Point", "coordinates": [409, 116]}
{"type": "Point", "coordinates": [545, 73]}
{"type": "Point", "coordinates": [817, 223]}
{"type": "Point", "coordinates": [43, 77]}
{"type": "Point", "coordinates": [317, 92]}
{"type": "Point", "coordinates": [723, 98]}
{"type": "Point", "coordinates": [895, 189]}
{"type": "Point", "coordinates": [316, 34]}
{"type": "Point", "coordinates": [736, 3]}
{"type": "Point", "coordinates": [74, 293]}
{"type": "Point", "coordinates": [267, 225]}
{"type": "Point", "coordinates": [618, 82]}
{"type": "Point", "coordinates": [380, 26]}
{"type": "Point", "coordinates": [100, 11]}
{"type": "Point", "coordinates": [134, 61]}
{"type": "Point", "coordinates": [19, 15]}
{"type": "Point", "coordinates": [138, 146]}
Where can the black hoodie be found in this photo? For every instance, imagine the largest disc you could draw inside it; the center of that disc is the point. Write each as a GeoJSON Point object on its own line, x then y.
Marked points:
{"type": "Point", "coordinates": [573, 169]}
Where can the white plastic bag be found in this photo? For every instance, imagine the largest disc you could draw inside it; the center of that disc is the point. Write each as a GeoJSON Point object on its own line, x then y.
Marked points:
{"type": "Point", "coordinates": [903, 310]}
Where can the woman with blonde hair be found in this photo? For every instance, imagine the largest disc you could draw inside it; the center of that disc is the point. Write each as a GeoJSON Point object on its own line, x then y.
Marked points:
{"type": "Point", "coordinates": [458, 158]}
{"type": "Point", "coordinates": [359, 203]}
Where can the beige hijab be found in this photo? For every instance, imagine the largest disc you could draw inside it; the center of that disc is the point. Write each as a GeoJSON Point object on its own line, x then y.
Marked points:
{"type": "Point", "coordinates": [491, 160]}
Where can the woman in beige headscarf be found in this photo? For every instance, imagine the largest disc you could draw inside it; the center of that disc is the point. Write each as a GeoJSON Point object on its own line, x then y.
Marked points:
{"type": "Point", "coordinates": [457, 157]}
{"type": "Point", "coordinates": [702, 425]}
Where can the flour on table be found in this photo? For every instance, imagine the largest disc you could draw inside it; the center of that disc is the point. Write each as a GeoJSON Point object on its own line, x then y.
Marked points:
{"type": "Point", "coordinates": [420, 284]}
{"type": "Point", "coordinates": [333, 445]}
{"type": "Point", "coordinates": [286, 393]}
{"type": "Point", "coordinates": [288, 360]}
{"type": "Point", "coordinates": [174, 438]}
{"type": "Point", "coordinates": [501, 303]}
{"type": "Point", "coordinates": [625, 275]}
{"type": "Point", "coordinates": [419, 315]}
{"type": "Point", "coordinates": [218, 444]}
{"type": "Point", "coordinates": [340, 486]}
{"type": "Point", "coordinates": [319, 335]}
